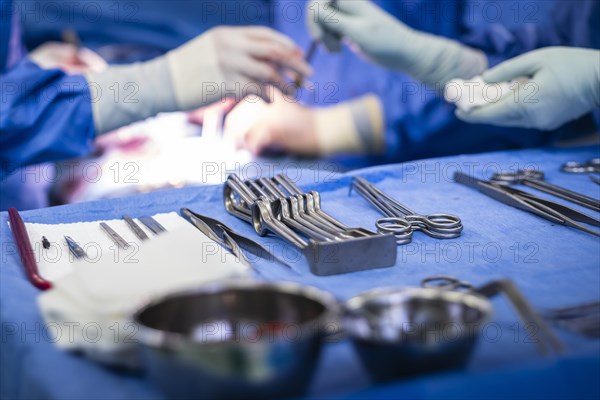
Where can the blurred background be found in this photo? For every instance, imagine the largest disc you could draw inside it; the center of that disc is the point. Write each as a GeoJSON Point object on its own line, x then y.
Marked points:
{"type": "Point", "coordinates": [203, 146]}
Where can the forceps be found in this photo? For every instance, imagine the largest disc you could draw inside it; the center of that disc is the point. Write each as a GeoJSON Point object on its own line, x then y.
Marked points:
{"type": "Point", "coordinates": [535, 179]}
{"type": "Point", "coordinates": [549, 210]}
{"type": "Point", "coordinates": [402, 221]}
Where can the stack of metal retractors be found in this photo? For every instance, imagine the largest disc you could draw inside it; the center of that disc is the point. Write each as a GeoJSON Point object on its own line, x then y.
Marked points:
{"type": "Point", "coordinates": [277, 205]}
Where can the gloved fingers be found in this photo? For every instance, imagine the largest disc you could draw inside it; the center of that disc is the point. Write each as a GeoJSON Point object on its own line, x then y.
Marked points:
{"type": "Point", "coordinates": [524, 65]}
{"type": "Point", "coordinates": [249, 111]}
{"type": "Point", "coordinates": [274, 53]}
{"type": "Point", "coordinates": [262, 33]}
{"type": "Point", "coordinates": [262, 72]}
{"type": "Point", "coordinates": [330, 38]}
{"type": "Point", "coordinates": [506, 112]}
{"type": "Point", "coordinates": [259, 138]}
{"type": "Point", "coordinates": [224, 106]}
{"type": "Point", "coordinates": [277, 96]}
{"type": "Point", "coordinates": [312, 19]}
{"type": "Point", "coordinates": [67, 57]}
{"type": "Point", "coordinates": [344, 25]}
{"type": "Point", "coordinates": [330, 19]}
{"type": "Point", "coordinates": [328, 22]}
{"type": "Point", "coordinates": [269, 47]}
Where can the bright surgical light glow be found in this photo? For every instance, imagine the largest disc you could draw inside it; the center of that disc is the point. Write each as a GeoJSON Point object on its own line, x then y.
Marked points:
{"type": "Point", "coordinates": [173, 156]}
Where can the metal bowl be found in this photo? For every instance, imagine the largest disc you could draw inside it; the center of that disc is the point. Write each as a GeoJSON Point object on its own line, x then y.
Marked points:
{"type": "Point", "coordinates": [238, 339]}
{"type": "Point", "coordinates": [400, 332]}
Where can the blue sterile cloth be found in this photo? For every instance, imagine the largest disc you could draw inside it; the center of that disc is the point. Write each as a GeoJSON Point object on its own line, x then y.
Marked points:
{"type": "Point", "coordinates": [554, 266]}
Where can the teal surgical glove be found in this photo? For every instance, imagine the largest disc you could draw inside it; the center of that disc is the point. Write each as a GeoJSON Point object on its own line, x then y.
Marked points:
{"type": "Point", "coordinates": [386, 41]}
{"type": "Point", "coordinates": [564, 85]}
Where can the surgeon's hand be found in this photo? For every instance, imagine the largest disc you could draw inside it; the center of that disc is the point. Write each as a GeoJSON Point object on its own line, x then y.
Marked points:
{"type": "Point", "coordinates": [386, 41]}
{"type": "Point", "coordinates": [223, 61]}
{"type": "Point", "coordinates": [67, 57]}
{"type": "Point", "coordinates": [232, 59]}
{"type": "Point", "coordinates": [564, 85]}
{"type": "Point", "coordinates": [351, 127]}
{"type": "Point", "coordinates": [281, 125]}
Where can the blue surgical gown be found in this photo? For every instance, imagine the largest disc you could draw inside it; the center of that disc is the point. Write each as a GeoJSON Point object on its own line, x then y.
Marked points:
{"type": "Point", "coordinates": [45, 115]}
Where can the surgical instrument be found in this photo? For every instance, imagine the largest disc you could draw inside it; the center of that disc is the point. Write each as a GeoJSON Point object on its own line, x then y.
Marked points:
{"type": "Point", "coordinates": [583, 318]}
{"type": "Point", "coordinates": [135, 228]}
{"type": "Point", "coordinates": [446, 282]}
{"type": "Point", "coordinates": [312, 49]}
{"type": "Point", "coordinates": [276, 205]}
{"type": "Point", "coordinates": [228, 238]}
{"type": "Point", "coordinates": [574, 167]}
{"type": "Point", "coordinates": [313, 200]}
{"type": "Point", "coordinates": [299, 211]}
{"type": "Point", "coordinates": [152, 224]}
{"type": "Point", "coordinates": [535, 179]}
{"type": "Point", "coordinates": [25, 251]}
{"type": "Point", "coordinates": [402, 221]}
{"type": "Point", "coordinates": [537, 327]}
{"type": "Point", "coordinates": [74, 248]}
{"type": "Point", "coordinates": [119, 241]}
{"type": "Point", "coordinates": [329, 37]}
{"type": "Point", "coordinates": [549, 210]}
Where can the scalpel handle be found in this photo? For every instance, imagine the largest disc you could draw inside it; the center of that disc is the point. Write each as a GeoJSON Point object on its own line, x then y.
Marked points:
{"type": "Point", "coordinates": [25, 251]}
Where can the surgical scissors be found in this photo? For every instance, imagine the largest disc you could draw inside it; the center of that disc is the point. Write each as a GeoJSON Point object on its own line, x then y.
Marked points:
{"type": "Point", "coordinates": [402, 221]}
{"type": "Point", "coordinates": [549, 210]}
{"type": "Point", "coordinates": [535, 179]}
{"type": "Point", "coordinates": [574, 167]}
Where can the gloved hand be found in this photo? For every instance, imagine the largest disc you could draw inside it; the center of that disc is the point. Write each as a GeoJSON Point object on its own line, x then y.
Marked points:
{"type": "Point", "coordinates": [324, 10]}
{"type": "Point", "coordinates": [385, 40]}
{"type": "Point", "coordinates": [564, 85]}
{"type": "Point", "coordinates": [286, 125]}
{"type": "Point", "coordinates": [281, 125]}
{"type": "Point", "coordinates": [67, 57]}
{"type": "Point", "coordinates": [225, 60]}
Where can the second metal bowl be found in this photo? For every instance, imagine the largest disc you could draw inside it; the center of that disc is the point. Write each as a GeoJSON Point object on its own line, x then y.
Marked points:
{"type": "Point", "coordinates": [400, 332]}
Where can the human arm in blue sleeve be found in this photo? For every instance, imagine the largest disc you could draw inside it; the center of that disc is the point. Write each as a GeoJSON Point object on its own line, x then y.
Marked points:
{"type": "Point", "coordinates": [46, 116]}
{"type": "Point", "coordinates": [40, 107]}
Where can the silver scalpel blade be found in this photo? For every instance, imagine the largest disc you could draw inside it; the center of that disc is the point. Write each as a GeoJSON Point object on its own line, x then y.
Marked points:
{"type": "Point", "coordinates": [152, 224]}
{"type": "Point", "coordinates": [135, 228]}
{"type": "Point", "coordinates": [114, 236]}
{"type": "Point", "coordinates": [74, 248]}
